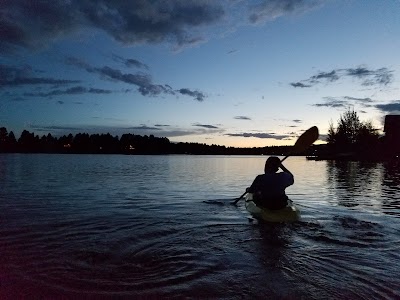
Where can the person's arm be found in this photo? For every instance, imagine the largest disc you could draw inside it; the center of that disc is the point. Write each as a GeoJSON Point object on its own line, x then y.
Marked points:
{"type": "Point", "coordinates": [284, 169]}
{"type": "Point", "coordinates": [290, 177]}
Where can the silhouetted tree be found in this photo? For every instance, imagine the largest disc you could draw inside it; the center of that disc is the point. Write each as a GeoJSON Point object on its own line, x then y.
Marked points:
{"type": "Point", "coordinates": [28, 142]}
{"type": "Point", "coordinates": [367, 135]}
{"type": "Point", "coordinates": [3, 139]}
{"type": "Point", "coordinates": [12, 142]}
{"type": "Point", "coordinates": [3, 134]}
{"type": "Point", "coordinates": [352, 134]}
{"type": "Point", "coordinates": [7, 141]}
{"type": "Point", "coordinates": [11, 137]}
{"type": "Point", "coordinates": [81, 143]}
{"type": "Point", "coordinates": [347, 130]}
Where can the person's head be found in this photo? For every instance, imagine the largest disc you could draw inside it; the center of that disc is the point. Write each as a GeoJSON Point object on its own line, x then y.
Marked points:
{"type": "Point", "coordinates": [272, 164]}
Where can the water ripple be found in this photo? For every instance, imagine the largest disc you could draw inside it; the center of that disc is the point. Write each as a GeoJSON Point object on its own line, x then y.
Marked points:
{"type": "Point", "coordinates": [163, 227]}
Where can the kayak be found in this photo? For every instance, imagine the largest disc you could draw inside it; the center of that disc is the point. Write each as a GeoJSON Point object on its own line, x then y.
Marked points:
{"type": "Point", "coordinates": [290, 213]}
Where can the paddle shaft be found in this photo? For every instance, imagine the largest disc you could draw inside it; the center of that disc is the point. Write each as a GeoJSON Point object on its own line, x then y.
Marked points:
{"type": "Point", "coordinates": [237, 200]}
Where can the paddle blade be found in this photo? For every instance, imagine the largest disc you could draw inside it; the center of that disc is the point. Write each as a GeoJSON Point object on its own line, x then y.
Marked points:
{"type": "Point", "coordinates": [306, 139]}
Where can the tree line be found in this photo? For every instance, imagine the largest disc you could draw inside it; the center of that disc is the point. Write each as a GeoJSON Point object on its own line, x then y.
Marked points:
{"type": "Point", "coordinates": [353, 139]}
{"type": "Point", "coordinates": [128, 143]}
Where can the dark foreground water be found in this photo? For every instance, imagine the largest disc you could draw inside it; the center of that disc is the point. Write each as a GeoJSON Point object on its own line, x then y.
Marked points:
{"type": "Point", "coordinates": [94, 226]}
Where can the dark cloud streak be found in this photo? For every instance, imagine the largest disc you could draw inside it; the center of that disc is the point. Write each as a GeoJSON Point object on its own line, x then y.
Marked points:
{"type": "Point", "coordinates": [381, 76]}
{"type": "Point", "coordinates": [259, 135]}
{"type": "Point", "coordinates": [368, 77]}
{"type": "Point", "coordinates": [130, 62]}
{"type": "Point", "coordinates": [362, 100]}
{"type": "Point", "coordinates": [205, 126]}
{"type": "Point", "coordinates": [77, 90]}
{"type": "Point", "coordinates": [268, 10]}
{"type": "Point", "coordinates": [333, 104]}
{"type": "Point", "coordinates": [144, 127]}
{"type": "Point", "coordinates": [391, 107]}
{"type": "Point", "coordinates": [242, 118]}
{"type": "Point", "coordinates": [199, 96]}
{"type": "Point", "coordinates": [300, 85]}
{"type": "Point", "coordinates": [18, 76]}
{"type": "Point", "coordinates": [142, 80]}
{"type": "Point", "coordinates": [345, 101]}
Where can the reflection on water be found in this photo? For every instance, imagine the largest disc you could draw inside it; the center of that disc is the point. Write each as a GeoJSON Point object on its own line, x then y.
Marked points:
{"type": "Point", "coordinates": [372, 184]}
{"type": "Point", "coordinates": [391, 188]}
{"type": "Point", "coordinates": [99, 226]}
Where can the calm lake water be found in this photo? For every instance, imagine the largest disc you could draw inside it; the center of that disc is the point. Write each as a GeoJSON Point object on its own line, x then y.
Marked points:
{"type": "Point", "coordinates": [102, 226]}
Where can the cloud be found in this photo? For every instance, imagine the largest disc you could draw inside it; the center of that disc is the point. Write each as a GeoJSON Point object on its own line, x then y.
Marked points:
{"type": "Point", "coordinates": [18, 76]}
{"type": "Point", "coordinates": [268, 10]}
{"type": "Point", "coordinates": [392, 107]}
{"type": "Point", "coordinates": [332, 103]}
{"type": "Point", "coordinates": [381, 76]}
{"type": "Point", "coordinates": [77, 90]}
{"type": "Point", "coordinates": [143, 81]}
{"type": "Point", "coordinates": [259, 135]}
{"type": "Point", "coordinates": [362, 100]}
{"type": "Point", "coordinates": [199, 96]}
{"type": "Point", "coordinates": [36, 24]}
{"type": "Point", "coordinates": [167, 131]}
{"type": "Point", "coordinates": [368, 77]}
{"type": "Point", "coordinates": [144, 127]}
{"type": "Point", "coordinates": [206, 126]}
{"type": "Point", "coordinates": [130, 62]}
{"type": "Point", "coordinates": [345, 101]}
{"type": "Point", "coordinates": [57, 128]}
{"type": "Point", "coordinates": [328, 76]}
{"type": "Point", "coordinates": [242, 118]}
{"type": "Point", "coordinates": [300, 85]}
{"type": "Point", "coordinates": [30, 24]}
{"type": "Point", "coordinates": [178, 132]}
{"type": "Point", "coordinates": [27, 24]}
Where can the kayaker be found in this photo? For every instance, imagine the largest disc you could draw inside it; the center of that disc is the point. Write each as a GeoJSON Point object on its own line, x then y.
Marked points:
{"type": "Point", "coordinates": [268, 189]}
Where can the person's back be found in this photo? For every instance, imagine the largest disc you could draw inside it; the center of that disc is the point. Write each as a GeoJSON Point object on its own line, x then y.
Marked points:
{"type": "Point", "coordinates": [269, 189]}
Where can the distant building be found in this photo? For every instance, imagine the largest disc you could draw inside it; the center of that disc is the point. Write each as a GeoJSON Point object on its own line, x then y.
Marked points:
{"type": "Point", "coordinates": [392, 134]}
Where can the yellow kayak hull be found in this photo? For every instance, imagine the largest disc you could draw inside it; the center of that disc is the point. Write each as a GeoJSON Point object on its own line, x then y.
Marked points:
{"type": "Point", "coordinates": [290, 213]}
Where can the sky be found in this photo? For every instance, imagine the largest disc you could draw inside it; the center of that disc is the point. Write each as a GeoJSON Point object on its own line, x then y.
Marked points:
{"type": "Point", "coordinates": [231, 72]}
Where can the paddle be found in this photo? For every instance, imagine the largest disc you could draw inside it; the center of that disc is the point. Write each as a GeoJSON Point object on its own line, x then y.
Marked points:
{"type": "Point", "coordinates": [303, 142]}
{"type": "Point", "coordinates": [237, 199]}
